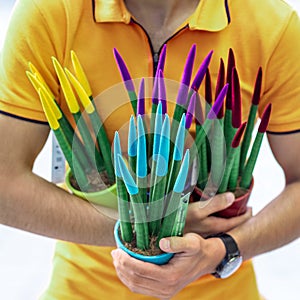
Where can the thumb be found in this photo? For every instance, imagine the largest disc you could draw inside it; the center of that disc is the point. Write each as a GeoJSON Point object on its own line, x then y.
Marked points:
{"type": "Point", "coordinates": [190, 243]}
{"type": "Point", "coordinates": [216, 203]}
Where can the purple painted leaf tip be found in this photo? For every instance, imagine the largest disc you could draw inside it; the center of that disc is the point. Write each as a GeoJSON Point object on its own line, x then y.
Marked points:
{"type": "Point", "coordinates": [115, 50]}
{"type": "Point", "coordinates": [257, 88]}
{"type": "Point", "coordinates": [238, 135]}
{"type": "Point", "coordinates": [162, 59]}
{"type": "Point", "coordinates": [201, 72]}
{"type": "Point", "coordinates": [265, 119]}
{"type": "Point", "coordinates": [190, 111]}
{"type": "Point", "coordinates": [141, 98]}
{"type": "Point", "coordinates": [123, 70]}
{"type": "Point", "coordinates": [162, 94]}
{"type": "Point", "coordinates": [188, 67]}
{"type": "Point", "coordinates": [155, 88]}
{"type": "Point", "coordinates": [212, 114]}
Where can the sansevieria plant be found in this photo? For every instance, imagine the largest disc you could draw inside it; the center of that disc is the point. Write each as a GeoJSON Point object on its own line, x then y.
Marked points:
{"type": "Point", "coordinates": [89, 158]}
{"type": "Point", "coordinates": [153, 185]}
{"type": "Point", "coordinates": [226, 160]}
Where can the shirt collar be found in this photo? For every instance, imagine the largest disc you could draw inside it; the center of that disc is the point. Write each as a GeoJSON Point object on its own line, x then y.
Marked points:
{"type": "Point", "coordinates": [209, 15]}
{"type": "Point", "coordinates": [111, 11]}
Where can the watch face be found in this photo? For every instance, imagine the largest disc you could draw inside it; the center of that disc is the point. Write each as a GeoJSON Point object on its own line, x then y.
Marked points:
{"type": "Point", "coordinates": [230, 267]}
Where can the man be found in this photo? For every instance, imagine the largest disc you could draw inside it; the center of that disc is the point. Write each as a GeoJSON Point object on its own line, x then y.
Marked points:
{"type": "Point", "coordinates": [261, 34]}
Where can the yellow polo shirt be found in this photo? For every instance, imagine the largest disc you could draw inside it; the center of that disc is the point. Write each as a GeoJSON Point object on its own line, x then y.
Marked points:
{"type": "Point", "coordinates": [261, 33]}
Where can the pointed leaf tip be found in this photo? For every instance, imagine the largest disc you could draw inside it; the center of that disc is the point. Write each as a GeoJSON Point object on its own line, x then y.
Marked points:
{"type": "Point", "coordinates": [212, 114]}
{"type": "Point", "coordinates": [127, 178]}
{"type": "Point", "coordinates": [183, 90]}
{"type": "Point", "coordinates": [117, 151]}
{"type": "Point", "coordinates": [257, 87]}
{"type": "Point", "coordinates": [190, 111]}
{"type": "Point", "coordinates": [162, 59]}
{"type": "Point", "coordinates": [238, 135]}
{"type": "Point", "coordinates": [162, 94]}
{"type": "Point", "coordinates": [132, 141]}
{"type": "Point", "coordinates": [230, 65]}
{"type": "Point", "coordinates": [188, 68]}
{"type": "Point", "coordinates": [221, 77]}
{"type": "Point", "coordinates": [179, 141]}
{"type": "Point", "coordinates": [124, 71]}
{"type": "Point", "coordinates": [265, 119]}
{"type": "Point", "coordinates": [182, 175]}
{"type": "Point", "coordinates": [236, 99]}
{"type": "Point", "coordinates": [141, 98]}
{"type": "Point", "coordinates": [208, 89]}
{"type": "Point", "coordinates": [201, 72]}
{"type": "Point", "coordinates": [220, 84]}
{"type": "Point", "coordinates": [160, 67]}
{"type": "Point", "coordinates": [141, 167]}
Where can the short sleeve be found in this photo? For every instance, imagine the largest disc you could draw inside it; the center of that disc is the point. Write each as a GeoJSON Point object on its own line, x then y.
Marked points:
{"type": "Point", "coordinates": [29, 38]}
{"type": "Point", "coordinates": [282, 80]}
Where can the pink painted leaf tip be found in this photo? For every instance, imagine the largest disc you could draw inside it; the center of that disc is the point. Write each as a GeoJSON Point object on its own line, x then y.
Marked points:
{"type": "Point", "coordinates": [265, 119]}
{"type": "Point", "coordinates": [257, 87]}
{"type": "Point", "coordinates": [238, 136]}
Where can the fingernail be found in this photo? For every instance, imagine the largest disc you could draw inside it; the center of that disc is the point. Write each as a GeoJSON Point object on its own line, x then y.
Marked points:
{"type": "Point", "coordinates": [164, 244]}
{"type": "Point", "coordinates": [229, 198]}
{"type": "Point", "coordinates": [114, 253]}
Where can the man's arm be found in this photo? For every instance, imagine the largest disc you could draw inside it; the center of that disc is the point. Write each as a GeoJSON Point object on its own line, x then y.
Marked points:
{"type": "Point", "coordinates": [30, 203]}
{"type": "Point", "coordinates": [279, 222]}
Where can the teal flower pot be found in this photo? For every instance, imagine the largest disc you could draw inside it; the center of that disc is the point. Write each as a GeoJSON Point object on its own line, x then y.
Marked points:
{"type": "Point", "coordinates": [160, 259]}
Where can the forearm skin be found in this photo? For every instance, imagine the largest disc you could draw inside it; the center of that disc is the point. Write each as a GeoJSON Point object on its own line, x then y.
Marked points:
{"type": "Point", "coordinates": [275, 226]}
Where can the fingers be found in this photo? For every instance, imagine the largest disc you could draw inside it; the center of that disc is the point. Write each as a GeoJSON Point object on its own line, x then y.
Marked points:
{"type": "Point", "coordinates": [212, 205]}
{"type": "Point", "coordinates": [143, 269]}
{"type": "Point", "coordinates": [143, 278]}
{"type": "Point", "coordinates": [223, 225]}
{"type": "Point", "coordinates": [216, 224]}
{"type": "Point", "coordinates": [212, 225]}
{"type": "Point", "coordinates": [189, 244]}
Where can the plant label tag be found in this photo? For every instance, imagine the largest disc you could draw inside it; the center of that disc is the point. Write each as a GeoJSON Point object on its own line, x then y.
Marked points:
{"type": "Point", "coordinates": [58, 166]}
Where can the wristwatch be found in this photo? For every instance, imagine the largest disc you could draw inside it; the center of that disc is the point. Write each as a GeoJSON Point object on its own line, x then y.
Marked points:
{"type": "Point", "coordinates": [232, 260]}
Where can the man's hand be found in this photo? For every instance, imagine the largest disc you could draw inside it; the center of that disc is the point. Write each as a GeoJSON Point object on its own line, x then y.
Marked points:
{"type": "Point", "coordinates": [200, 219]}
{"type": "Point", "coordinates": [194, 258]}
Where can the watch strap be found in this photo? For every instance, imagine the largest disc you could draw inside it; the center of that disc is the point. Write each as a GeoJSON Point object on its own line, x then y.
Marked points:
{"type": "Point", "coordinates": [232, 251]}
{"type": "Point", "coordinates": [231, 246]}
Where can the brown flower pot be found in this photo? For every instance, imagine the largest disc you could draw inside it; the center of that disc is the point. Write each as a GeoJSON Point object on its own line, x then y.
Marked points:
{"type": "Point", "coordinates": [238, 207]}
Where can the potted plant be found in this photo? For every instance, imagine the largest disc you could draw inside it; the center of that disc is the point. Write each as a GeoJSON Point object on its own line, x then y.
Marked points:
{"type": "Point", "coordinates": [149, 212]}
{"type": "Point", "coordinates": [153, 197]}
{"type": "Point", "coordinates": [225, 161]}
{"type": "Point", "coordinates": [222, 142]}
{"type": "Point", "coordinates": [91, 174]}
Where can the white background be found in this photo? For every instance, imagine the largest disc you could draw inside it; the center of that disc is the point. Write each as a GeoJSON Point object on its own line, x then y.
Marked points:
{"type": "Point", "coordinates": [25, 259]}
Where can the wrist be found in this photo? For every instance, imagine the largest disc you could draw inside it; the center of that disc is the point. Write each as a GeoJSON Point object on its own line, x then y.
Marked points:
{"type": "Point", "coordinates": [232, 259]}
{"type": "Point", "coordinates": [216, 249]}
